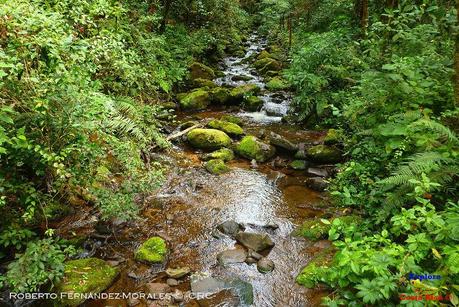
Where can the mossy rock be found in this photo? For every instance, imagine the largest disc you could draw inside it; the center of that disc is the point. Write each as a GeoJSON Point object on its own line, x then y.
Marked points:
{"type": "Point", "coordinates": [253, 103]}
{"type": "Point", "coordinates": [208, 139]}
{"type": "Point", "coordinates": [154, 250]}
{"type": "Point", "coordinates": [90, 275]}
{"type": "Point", "coordinates": [224, 154]}
{"type": "Point", "coordinates": [201, 71]}
{"type": "Point", "coordinates": [168, 105]}
{"type": "Point", "coordinates": [199, 83]}
{"type": "Point", "coordinates": [267, 64]}
{"type": "Point", "coordinates": [195, 100]}
{"type": "Point", "coordinates": [232, 119]}
{"type": "Point", "coordinates": [56, 210]}
{"type": "Point", "coordinates": [313, 229]}
{"type": "Point", "coordinates": [299, 164]}
{"type": "Point", "coordinates": [252, 148]}
{"type": "Point", "coordinates": [333, 136]}
{"type": "Point", "coordinates": [216, 167]}
{"type": "Point", "coordinates": [324, 154]}
{"type": "Point", "coordinates": [227, 127]}
{"type": "Point", "coordinates": [310, 275]}
{"type": "Point", "coordinates": [238, 93]}
{"type": "Point", "coordinates": [277, 84]}
{"type": "Point", "coordinates": [220, 95]}
{"type": "Point", "coordinates": [263, 55]}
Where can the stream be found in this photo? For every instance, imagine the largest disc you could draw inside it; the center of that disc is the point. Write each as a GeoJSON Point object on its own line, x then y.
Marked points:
{"type": "Point", "coordinates": [265, 198]}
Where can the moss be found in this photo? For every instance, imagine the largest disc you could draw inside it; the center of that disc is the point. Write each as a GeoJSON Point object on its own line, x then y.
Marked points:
{"type": "Point", "coordinates": [195, 100]}
{"type": "Point", "coordinates": [277, 84]}
{"type": "Point", "coordinates": [90, 275]}
{"type": "Point", "coordinates": [298, 164]}
{"type": "Point", "coordinates": [333, 136]}
{"type": "Point", "coordinates": [220, 95]}
{"type": "Point", "coordinates": [267, 64]}
{"type": "Point", "coordinates": [313, 229]}
{"type": "Point", "coordinates": [201, 71]}
{"type": "Point", "coordinates": [232, 119]}
{"type": "Point", "coordinates": [199, 82]}
{"type": "Point", "coordinates": [253, 103]}
{"type": "Point", "coordinates": [230, 128]}
{"type": "Point", "coordinates": [216, 166]}
{"type": "Point", "coordinates": [252, 148]}
{"type": "Point", "coordinates": [310, 275]}
{"type": "Point", "coordinates": [238, 93]}
{"type": "Point", "coordinates": [153, 250]}
{"type": "Point", "coordinates": [263, 55]}
{"type": "Point", "coordinates": [324, 154]}
{"type": "Point", "coordinates": [224, 154]}
{"type": "Point", "coordinates": [55, 210]}
{"type": "Point", "coordinates": [208, 139]}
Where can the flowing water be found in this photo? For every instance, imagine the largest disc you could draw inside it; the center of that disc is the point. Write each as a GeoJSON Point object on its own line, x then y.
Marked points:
{"type": "Point", "coordinates": [192, 202]}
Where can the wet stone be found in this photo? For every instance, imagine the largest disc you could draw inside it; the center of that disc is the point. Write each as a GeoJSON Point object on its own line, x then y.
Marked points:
{"type": "Point", "coordinates": [172, 282]}
{"type": "Point", "coordinates": [230, 228]}
{"type": "Point", "coordinates": [255, 241]}
{"type": "Point", "coordinates": [265, 265]}
{"type": "Point", "coordinates": [178, 272]}
{"type": "Point", "coordinates": [232, 256]}
{"type": "Point", "coordinates": [155, 288]}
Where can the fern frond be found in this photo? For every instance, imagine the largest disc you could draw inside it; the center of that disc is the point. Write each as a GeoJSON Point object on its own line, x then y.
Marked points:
{"type": "Point", "coordinates": [437, 128]}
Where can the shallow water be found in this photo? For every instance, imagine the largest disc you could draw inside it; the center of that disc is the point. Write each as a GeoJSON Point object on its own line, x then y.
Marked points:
{"type": "Point", "coordinates": [191, 203]}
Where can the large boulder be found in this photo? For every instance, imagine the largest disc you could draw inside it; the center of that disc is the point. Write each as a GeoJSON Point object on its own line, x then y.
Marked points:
{"type": "Point", "coordinates": [227, 127]}
{"type": "Point", "coordinates": [252, 103]}
{"type": "Point", "coordinates": [281, 142]}
{"type": "Point", "coordinates": [238, 93]}
{"type": "Point", "coordinates": [252, 148]}
{"type": "Point", "coordinates": [254, 241]}
{"type": "Point", "coordinates": [224, 154]}
{"type": "Point", "coordinates": [154, 250]}
{"type": "Point", "coordinates": [324, 154]}
{"type": "Point", "coordinates": [195, 100]}
{"type": "Point", "coordinates": [208, 139]}
{"type": "Point", "coordinates": [220, 95]}
{"type": "Point", "coordinates": [201, 71]}
{"type": "Point", "coordinates": [84, 276]}
{"type": "Point", "coordinates": [216, 167]}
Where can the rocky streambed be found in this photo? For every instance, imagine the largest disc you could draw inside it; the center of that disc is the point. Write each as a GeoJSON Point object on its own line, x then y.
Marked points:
{"type": "Point", "coordinates": [227, 221]}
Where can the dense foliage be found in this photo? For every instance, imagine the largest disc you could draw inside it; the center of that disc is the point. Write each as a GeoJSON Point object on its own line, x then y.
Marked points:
{"type": "Point", "coordinates": [387, 83]}
{"type": "Point", "coordinates": [81, 91]}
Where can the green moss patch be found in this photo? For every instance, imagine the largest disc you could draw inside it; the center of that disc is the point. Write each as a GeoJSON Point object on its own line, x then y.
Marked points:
{"type": "Point", "coordinates": [253, 103]}
{"type": "Point", "coordinates": [195, 100]}
{"type": "Point", "coordinates": [310, 275]}
{"type": "Point", "coordinates": [91, 275]}
{"type": "Point", "coordinates": [227, 127]}
{"type": "Point", "coordinates": [201, 71]}
{"type": "Point", "coordinates": [216, 166]}
{"type": "Point", "coordinates": [154, 250]}
{"type": "Point", "coordinates": [224, 154]}
{"type": "Point", "coordinates": [209, 139]}
{"type": "Point", "coordinates": [232, 119]}
{"type": "Point", "coordinates": [299, 164]}
{"type": "Point", "coordinates": [324, 154]}
{"type": "Point", "coordinates": [252, 148]}
{"type": "Point", "coordinates": [277, 84]}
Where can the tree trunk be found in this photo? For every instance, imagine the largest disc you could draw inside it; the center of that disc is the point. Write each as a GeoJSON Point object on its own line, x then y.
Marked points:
{"type": "Point", "coordinates": [166, 8]}
{"type": "Point", "coordinates": [361, 13]}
